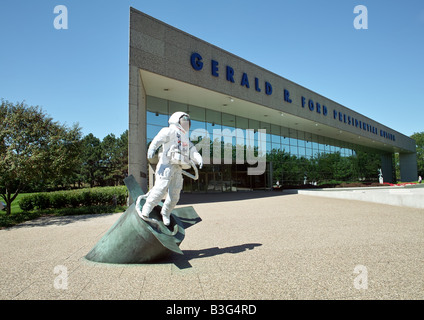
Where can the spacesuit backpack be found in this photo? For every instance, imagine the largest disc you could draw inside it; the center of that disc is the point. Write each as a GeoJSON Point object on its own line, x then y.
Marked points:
{"type": "Point", "coordinates": [179, 153]}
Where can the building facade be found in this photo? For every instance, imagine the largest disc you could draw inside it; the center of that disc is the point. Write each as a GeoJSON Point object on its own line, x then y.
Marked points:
{"type": "Point", "coordinates": [233, 103]}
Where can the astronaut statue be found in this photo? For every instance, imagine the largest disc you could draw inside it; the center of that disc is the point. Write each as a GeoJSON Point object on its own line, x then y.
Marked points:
{"type": "Point", "coordinates": [178, 153]}
{"type": "Point", "coordinates": [380, 176]}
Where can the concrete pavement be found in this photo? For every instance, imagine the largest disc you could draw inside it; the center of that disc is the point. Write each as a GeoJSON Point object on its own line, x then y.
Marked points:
{"type": "Point", "coordinates": [256, 245]}
{"type": "Point", "coordinates": [403, 196]}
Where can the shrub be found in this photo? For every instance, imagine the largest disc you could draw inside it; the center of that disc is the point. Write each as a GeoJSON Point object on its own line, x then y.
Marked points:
{"type": "Point", "coordinates": [106, 196]}
{"type": "Point", "coordinates": [58, 200]}
{"type": "Point", "coordinates": [41, 201]}
{"type": "Point", "coordinates": [74, 198]}
{"type": "Point", "coordinates": [25, 203]}
{"type": "Point", "coordinates": [85, 198]}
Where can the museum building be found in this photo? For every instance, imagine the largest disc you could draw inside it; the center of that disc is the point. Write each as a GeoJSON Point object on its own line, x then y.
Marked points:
{"type": "Point", "coordinates": [234, 102]}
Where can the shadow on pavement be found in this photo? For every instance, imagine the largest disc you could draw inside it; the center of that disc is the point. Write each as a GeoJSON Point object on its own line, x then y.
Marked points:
{"type": "Point", "coordinates": [183, 261]}
{"type": "Point", "coordinates": [58, 220]}
{"type": "Point", "coordinates": [193, 198]}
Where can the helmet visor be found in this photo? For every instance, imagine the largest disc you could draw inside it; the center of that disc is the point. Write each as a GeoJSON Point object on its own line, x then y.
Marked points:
{"type": "Point", "coordinates": [185, 122]}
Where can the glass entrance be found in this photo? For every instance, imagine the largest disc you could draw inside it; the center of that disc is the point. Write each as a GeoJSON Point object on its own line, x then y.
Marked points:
{"type": "Point", "coordinates": [227, 178]}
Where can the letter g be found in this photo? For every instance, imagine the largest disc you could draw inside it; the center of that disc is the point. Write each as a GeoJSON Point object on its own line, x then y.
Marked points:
{"type": "Point", "coordinates": [196, 61]}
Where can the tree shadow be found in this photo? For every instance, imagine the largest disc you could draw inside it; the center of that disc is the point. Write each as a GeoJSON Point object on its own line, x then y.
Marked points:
{"type": "Point", "coordinates": [183, 261]}
{"type": "Point", "coordinates": [51, 220]}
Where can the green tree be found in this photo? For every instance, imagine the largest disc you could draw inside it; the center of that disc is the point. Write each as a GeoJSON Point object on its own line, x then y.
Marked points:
{"type": "Point", "coordinates": [108, 147]}
{"type": "Point", "coordinates": [91, 156]}
{"type": "Point", "coordinates": [115, 158]}
{"type": "Point", "coordinates": [419, 140]}
{"type": "Point", "coordinates": [366, 165]}
{"type": "Point", "coordinates": [104, 162]}
{"type": "Point", "coordinates": [342, 168]}
{"type": "Point", "coordinates": [121, 156]}
{"type": "Point", "coordinates": [289, 169]}
{"type": "Point", "coordinates": [33, 148]}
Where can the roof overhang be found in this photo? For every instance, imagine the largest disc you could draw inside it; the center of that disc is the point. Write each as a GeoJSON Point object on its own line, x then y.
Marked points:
{"type": "Point", "coordinates": [171, 89]}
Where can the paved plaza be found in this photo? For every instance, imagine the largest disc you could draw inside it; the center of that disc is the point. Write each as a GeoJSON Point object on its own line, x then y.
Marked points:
{"type": "Point", "coordinates": [254, 245]}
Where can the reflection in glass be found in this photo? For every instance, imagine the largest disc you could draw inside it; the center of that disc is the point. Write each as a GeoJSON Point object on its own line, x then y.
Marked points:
{"type": "Point", "coordinates": [152, 131]}
{"type": "Point", "coordinates": [157, 118]}
{"type": "Point", "coordinates": [225, 177]}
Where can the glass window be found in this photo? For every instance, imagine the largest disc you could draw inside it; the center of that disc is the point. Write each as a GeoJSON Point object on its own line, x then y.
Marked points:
{"type": "Point", "coordinates": [275, 139]}
{"type": "Point", "coordinates": [152, 131]}
{"type": "Point", "coordinates": [285, 140]}
{"type": "Point", "coordinates": [266, 137]}
{"type": "Point", "coordinates": [177, 106]}
{"type": "Point", "coordinates": [213, 119]}
{"type": "Point", "coordinates": [276, 146]}
{"type": "Point", "coordinates": [301, 151]}
{"type": "Point", "coordinates": [308, 140]}
{"type": "Point", "coordinates": [300, 139]}
{"type": "Point", "coordinates": [215, 132]}
{"type": "Point", "coordinates": [197, 125]}
{"type": "Point", "coordinates": [309, 153]}
{"type": "Point", "coordinates": [228, 129]}
{"type": "Point", "coordinates": [228, 121]}
{"type": "Point", "coordinates": [293, 150]}
{"type": "Point", "coordinates": [196, 113]}
{"type": "Point", "coordinates": [157, 118]}
{"type": "Point", "coordinates": [197, 130]}
{"type": "Point", "coordinates": [325, 148]}
{"type": "Point", "coordinates": [242, 123]}
{"type": "Point", "coordinates": [254, 125]}
{"type": "Point", "coordinates": [268, 147]}
{"type": "Point", "coordinates": [266, 126]}
{"type": "Point", "coordinates": [348, 152]}
{"type": "Point", "coordinates": [157, 105]}
{"type": "Point", "coordinates": [240, 135]}
{"type": "Point", "coordinates": [315, 144]}
{"type": "Point", "coordinates": [293, 137]}
{"type": "Point", "coordinates": [308, 144]}
{"type": "Point", "coordinates": [284, 132]}
{"type": "Point", "coordinates": [275, 130]}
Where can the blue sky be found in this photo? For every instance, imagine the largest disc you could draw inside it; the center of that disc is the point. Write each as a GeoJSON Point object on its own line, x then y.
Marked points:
{"type": "Point", "coordinates": [80, 75]}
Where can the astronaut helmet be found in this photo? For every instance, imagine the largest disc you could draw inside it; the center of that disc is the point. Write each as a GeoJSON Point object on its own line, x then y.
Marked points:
{"type": "Point", "coordinates": [181, 120]}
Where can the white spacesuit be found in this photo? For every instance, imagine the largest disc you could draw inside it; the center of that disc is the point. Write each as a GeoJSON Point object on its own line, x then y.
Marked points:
{"type": "Point", "coordinates": [177, 150]}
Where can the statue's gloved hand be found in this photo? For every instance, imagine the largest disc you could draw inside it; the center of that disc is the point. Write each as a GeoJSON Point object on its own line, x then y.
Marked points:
{"type": "Point", "coordinates": [139, 207]}
{"type": "Point", "coordinates": [150, 154]}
